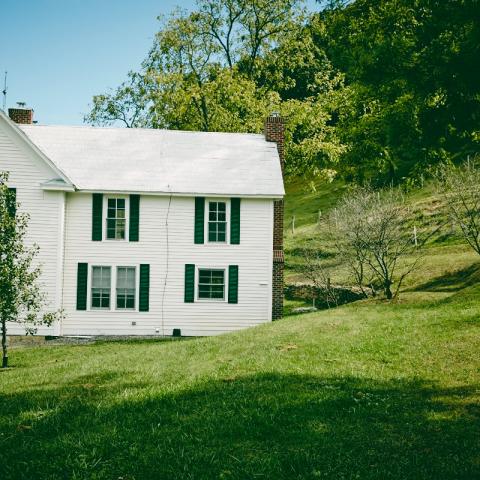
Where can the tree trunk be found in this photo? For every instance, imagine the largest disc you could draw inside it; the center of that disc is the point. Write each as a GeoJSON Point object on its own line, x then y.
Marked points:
{"type": "Point", "coordinates": [388, 291]}
{"type": "Point", "coordinates": [4, 344]}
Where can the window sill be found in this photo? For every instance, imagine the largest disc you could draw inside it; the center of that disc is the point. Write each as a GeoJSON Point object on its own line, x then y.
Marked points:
{"type": "Point", "coordinates": [211, 300]}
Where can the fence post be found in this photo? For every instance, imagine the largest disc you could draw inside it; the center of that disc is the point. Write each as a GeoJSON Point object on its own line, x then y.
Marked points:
{"type": "Point", "coordinates": [415, 235]}
{"type": "Point", "coordinates": [293, 224]}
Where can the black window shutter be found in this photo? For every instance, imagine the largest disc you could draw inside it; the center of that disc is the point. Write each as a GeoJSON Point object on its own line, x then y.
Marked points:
{"type": "Point", "coordinates": [235, 221]}
{"type": "Point", "coordinates": [12, 201]}
{"type": "Point", "coordinates": [97, 214]}
{"type": "Point", "coordinates": [189, 283]}
{"type": "Point", "coordinates": [144, 293]}
{"type": "Point", "coordinates": [233, 284]}
{"type": "Point", "coordinates": [199, 219]}
{"type": "Point", "coordinates": [134, 218]}
{"type": "Point", "coordinates": [82, 276]}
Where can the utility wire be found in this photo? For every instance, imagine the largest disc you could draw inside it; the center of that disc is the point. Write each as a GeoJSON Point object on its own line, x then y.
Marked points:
{"type": "Point", "coordinates": [167, 265]}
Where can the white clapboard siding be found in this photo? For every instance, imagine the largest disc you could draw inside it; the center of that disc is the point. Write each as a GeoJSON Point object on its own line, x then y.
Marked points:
{"type": "Point", "coordinates": [167, 307]}
{"type": "Point", "coordinates": [27, 172]}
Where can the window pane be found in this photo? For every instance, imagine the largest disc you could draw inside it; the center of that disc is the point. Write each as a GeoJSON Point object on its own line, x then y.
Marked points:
{"type": "Point", "coordinates": [130, 278]}
{"type": "Point", "coordinates": [130, 301]}
{"type": "Point", "coordinates": [120, 229]}
{"type": "Point", "coordinates": [125, 287]}
{"type": "Point", "coordinates": [101, 278]}
{"type": "Point", "coordinates": [120, 300]}
{"type": "Point", "coordinates": [110, 229]}
{"type": "Point", "coordinates": [106, 300]}
{"type": "Point", "coordinates": [211, 284]}
{"type": "Point", "coordinates": [96, 276]}
{"type": "Point", "coordinates": [106, 277]}
{"type": "Point", "coordinates": [217, 224]}
{"type": "Point", "coordinates": [116, 219]}
{"type": "Point", "coordinates": [217, 276]}
{"type": "Point", "coordinates": [121, 277]}
{"type": "Point", "coordinates": [204, 276]}
{"type": "Point", "coordinates": [217, 292]}
{"type": "Point", "coordinates": [95, 299]}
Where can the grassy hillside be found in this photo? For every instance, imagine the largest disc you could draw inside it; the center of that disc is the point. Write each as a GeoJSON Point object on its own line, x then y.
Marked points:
{"type": "Point", "coordinates": [366, 391]}
{"type": "Point", "coordinates": [372, 390]}
{"type": "Point", "coordinates": [443, 251]}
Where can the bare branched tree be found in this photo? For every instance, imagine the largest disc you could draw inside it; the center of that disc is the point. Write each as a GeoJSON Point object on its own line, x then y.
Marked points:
{"type": "Point", "coordinates": [319, 277]}
{"type": "Point", "coordinates": [374, 236]}
{"type": "Point", "coordinates": [347, 236]}
{"type": "Point", "coordinates": [460, 189]}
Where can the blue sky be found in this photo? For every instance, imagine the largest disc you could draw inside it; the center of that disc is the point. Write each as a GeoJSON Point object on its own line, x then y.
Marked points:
{"type": "Point", "coordinates": [59, 53]}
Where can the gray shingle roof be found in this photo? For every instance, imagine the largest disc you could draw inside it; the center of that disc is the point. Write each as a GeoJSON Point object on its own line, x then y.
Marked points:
{"type": "Point", "coordinates": [161, 161]}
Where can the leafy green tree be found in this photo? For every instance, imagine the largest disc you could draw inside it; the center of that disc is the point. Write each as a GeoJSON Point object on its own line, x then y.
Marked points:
{"type": "Point", "coordinates": [126, 105]}
{"type": "Point", "coordinates": [373, 90]}
{"type": "Point", "coordinates": [189, 57]}
{"type": "Point", "coordinates": [21, 298]}
{"type": "Point", "coordinates": [411, 65]}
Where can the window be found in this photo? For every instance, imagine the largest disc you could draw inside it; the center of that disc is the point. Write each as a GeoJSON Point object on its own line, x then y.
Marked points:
{"type": "Point", "coordinates": [101, 281]}
{"type": "Point", "coordinates": [126, 288]}
{"type": "Point", "coordinates": [211, 284]}
{"type": "Point", "coordinates": [217, 222]}
{"type": "Point", "coordinates": [116, 219]}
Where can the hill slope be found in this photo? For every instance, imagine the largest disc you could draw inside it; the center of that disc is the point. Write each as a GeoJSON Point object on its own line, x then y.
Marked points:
{"type": "Point", "coordinates": [444, 251]}
{"type": "Point", "coordinates": [370, 391]}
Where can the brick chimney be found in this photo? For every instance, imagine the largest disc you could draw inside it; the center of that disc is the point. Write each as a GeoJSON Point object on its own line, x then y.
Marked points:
{"type": "Point", "coordinates": [21, 114]}
{"type": "Point", "coordinates": [275, 132]}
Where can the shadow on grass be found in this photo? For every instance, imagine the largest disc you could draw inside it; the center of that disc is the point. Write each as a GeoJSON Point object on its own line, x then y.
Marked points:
{"type": "Point", "coordinates": [453, 281]}
{"type": "Point", "coordinates": [269, 426]}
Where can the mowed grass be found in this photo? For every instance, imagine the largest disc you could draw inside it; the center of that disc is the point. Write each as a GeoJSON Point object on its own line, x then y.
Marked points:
{"type": "Point", "coordinates": [372, 390]}
{"type": "Point", "coordinates": [367, 391]}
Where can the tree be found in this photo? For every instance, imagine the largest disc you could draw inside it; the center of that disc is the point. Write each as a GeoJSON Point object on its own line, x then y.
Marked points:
{"type": "Point", "coordinates": [191, 52]}
{"type": "Point", "coordinates": [127, 104]}
{"type": "Point", "coordinates": [373, 234]}
{"type": "Point", "coordinates": [460, 189]}
{"type": "Point", "coordinates": [412, 67]}
{"type": "Point", "coordinates": [319, 277]}
{"type": "Point", "coordinates": [21, 299]}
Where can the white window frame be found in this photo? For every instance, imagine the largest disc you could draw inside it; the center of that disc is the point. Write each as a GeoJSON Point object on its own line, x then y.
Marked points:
{"type": "Point", "coordinates": [90, 286]}
{"type": "Point", "coordinates": [105, 216]}
{"type": "Point", "coordinates": [225, 283]}
{"type": "Point", "coordinates": [113, 288]}
{"type": "Point", "coordinates": [136, 288]}
{"type": "Point", "coordinates": [227, 220]}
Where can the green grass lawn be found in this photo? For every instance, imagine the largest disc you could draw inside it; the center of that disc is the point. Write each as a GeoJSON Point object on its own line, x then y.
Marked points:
{"type": "Point", "coordinates": [371, 390]}
{"type": "Point", "coordinates": [366, 391]}
{"type": "Point", "coordinates": [444, 250]}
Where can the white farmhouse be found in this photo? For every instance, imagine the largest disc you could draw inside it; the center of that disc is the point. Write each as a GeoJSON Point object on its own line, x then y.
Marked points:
{"type": "Point", "coordinates": [151, 232]}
